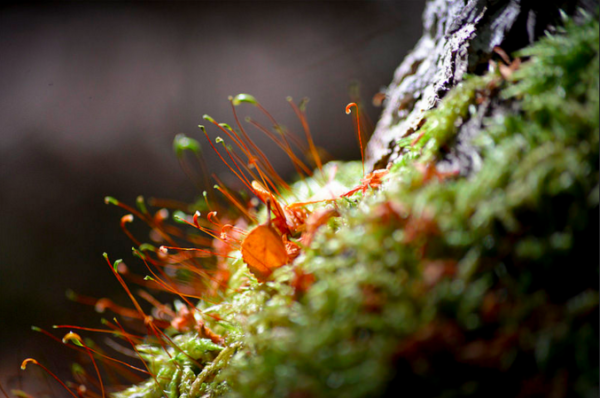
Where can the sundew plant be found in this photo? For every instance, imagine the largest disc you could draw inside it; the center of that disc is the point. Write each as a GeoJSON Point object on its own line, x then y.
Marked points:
{"type": "Point", "coordinates": [357, 283]}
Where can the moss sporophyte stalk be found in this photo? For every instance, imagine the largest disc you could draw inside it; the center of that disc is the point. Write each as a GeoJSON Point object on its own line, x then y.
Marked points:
{"type": "Point", "coordinates": [345, 283]}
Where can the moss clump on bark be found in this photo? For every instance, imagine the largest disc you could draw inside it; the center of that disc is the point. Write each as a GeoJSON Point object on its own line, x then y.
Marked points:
{"type": "Point", "coordinates": [449, 285]}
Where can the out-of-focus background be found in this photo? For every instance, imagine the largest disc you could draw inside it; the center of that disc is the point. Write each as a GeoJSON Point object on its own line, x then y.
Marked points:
{"type": "Point", "coordinates": [91, 96]}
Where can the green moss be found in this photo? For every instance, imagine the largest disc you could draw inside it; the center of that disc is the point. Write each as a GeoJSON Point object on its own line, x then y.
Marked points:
{"type": "Point", "coordinates": [175, 368]}
{"type": "Point", "coordinates": [468, 286]}
{"type": "Point", "coordinates": [441, 123]}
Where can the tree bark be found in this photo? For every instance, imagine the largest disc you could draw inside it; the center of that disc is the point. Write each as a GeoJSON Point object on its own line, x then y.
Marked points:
{"type": "Point", "coordinates": [459, 38]}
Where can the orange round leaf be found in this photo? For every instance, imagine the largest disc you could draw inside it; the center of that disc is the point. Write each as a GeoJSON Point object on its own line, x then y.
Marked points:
{"type": "Point", "coordinates": [263, 250]}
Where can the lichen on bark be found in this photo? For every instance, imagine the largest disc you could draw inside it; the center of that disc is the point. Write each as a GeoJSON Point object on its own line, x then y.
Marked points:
{"type": "Point", "coordinates": [459, 38]}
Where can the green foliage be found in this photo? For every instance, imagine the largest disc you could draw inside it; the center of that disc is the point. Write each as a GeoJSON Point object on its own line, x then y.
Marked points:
{"type": "Point", "coordinates": [175, 368]}
{"type": "Point", "coordinates": [440, 124]}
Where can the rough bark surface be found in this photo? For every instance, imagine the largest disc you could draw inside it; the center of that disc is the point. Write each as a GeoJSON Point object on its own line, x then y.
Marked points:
{"type": "Point", "coordinates": [459, 38]}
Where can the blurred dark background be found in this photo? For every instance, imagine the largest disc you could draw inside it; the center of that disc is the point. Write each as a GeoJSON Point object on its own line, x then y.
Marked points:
{"type": "Point", "coordinates": [92, 94]}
